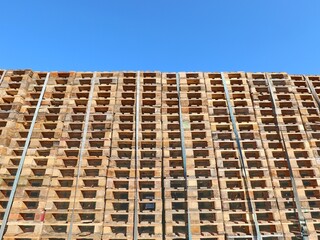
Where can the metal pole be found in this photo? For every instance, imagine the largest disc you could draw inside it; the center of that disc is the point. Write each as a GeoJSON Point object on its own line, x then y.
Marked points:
{"type": "Point", "coordinates": [243, 167]}
{"type": "Point", "coordinates": [83, 143]}
{"type": "Point", "coordinates": [135, 219]}
{"type": "Point", "coordinates": [2, 77]}
{"type": "Point", "coordinates": [184, 156]}
{"type": "Point", "coordinates": [302, 221]}
{"type": "Point", "coordinates": [22, 159]}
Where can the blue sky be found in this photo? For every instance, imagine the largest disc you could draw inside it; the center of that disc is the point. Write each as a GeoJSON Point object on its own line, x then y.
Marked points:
{"type": "Point", "coordinates": [164, 35]}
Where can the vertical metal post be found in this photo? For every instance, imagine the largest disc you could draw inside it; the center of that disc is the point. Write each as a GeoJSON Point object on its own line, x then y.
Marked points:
{"type": "Point", "coordinates": [184, 156]}
{"type": "Point", "coordinates": [2, 76]}
{"type": "Point", "coordinates": [83, 143]}
{"type": "Point", "coordinates": [302, 221]}
{"type": "Point", "coordinates": [243, 166]}
{"type": "Point", "coordinates": [137, 112]}
{"type": "Point", "coordinates": [22, 159]}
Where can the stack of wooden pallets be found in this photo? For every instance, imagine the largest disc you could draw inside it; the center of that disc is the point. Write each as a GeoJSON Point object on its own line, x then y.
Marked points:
{"type": "Point", "coordinates": [151, 155]}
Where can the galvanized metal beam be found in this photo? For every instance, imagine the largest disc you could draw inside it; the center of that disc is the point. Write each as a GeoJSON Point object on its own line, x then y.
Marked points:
{"type": "Point", "coordinates": [184, 155]}
{"type": "Point", "coordinates": [83, 143]}
{"type": "Point", "coordinates": [301, 218]}
{"type": "Point", "coordinates": [22, 159]}
{"type": "Point", "coordinates": [243, 166]}
{"type": "Point", "coordinates": [2, 76]}
{"type": "Point", "coordinates": [137, 112]}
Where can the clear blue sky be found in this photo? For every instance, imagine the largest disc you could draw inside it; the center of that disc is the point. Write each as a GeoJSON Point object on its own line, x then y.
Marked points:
{"type": "Point", "coordinates": [164, 35]}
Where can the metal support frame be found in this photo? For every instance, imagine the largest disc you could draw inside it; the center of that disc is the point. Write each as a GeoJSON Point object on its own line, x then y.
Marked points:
{"type": "Point", "coordinates": [2, 76]}
{"type": "Point", "coordinates": [243, 167]}
{"type": "Point", "coordinates": [301, 219]}
{"type": "Point", "coordinates": [112, 137]}
{"type": "Point", "coordinates": [137, 112]}
{"type": "Point", "coordinates": [163, 217]}
{"type": "Point", "coordinates": [22, 159]}
{"type": "Point", "coordinates": [83, 142]}
{"type": "Point", "coordinates": [184, 156]}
